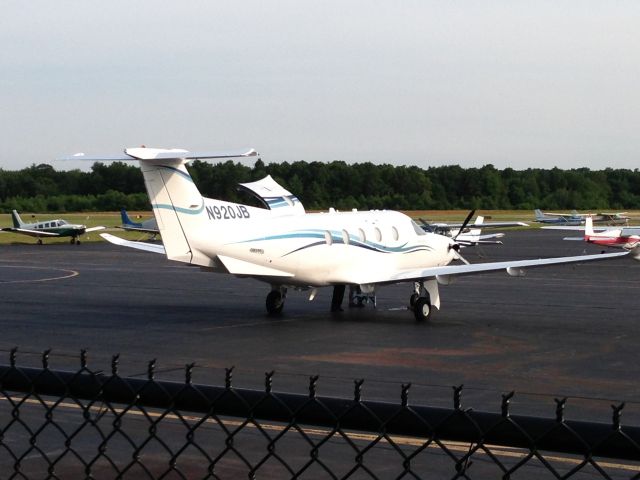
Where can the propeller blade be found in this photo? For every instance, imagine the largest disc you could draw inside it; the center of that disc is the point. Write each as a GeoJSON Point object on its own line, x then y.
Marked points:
{"type": "Point", "coordinates": [462, 259]}
{"type": "Point", "coordinates": [465, 223]}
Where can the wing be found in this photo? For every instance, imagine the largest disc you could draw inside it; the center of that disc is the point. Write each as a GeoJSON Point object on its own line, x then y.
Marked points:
{"type": "Point", "coordinates": [147, 247]}
{"type": "Point", "coordinates": [513, 268]}
{"type": "Point", "coordinates": [579, 228]}
{"type": "Point", "coordinates": [31, 233]}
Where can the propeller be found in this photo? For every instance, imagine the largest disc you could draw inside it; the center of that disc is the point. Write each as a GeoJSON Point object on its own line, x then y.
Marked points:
{"type": "Point", "coordinates": [456, 246]}
{"type": "Point", "coordinates": [465, 223]}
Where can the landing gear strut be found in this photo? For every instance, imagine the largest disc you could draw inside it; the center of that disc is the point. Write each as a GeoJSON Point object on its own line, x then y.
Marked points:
{"type": "Point", "coordinates": [75, 240]}
{"type": "Point", "coordinates": [420, 302]}
{"type": "Point", "coordinates": [275, 300]}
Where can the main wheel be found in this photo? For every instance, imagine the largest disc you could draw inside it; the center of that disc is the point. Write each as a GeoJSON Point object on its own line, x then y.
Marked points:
{"type": "Point", "coordinates": [275, 302]}
{"type": "Point", "coordinates": [422, 309]}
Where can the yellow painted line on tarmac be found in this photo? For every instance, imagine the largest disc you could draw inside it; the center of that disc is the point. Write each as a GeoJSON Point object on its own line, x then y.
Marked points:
{"type": "Point", "coordinates": [461, 447]}
{"type": "Point", "coordinates": [70, 273]}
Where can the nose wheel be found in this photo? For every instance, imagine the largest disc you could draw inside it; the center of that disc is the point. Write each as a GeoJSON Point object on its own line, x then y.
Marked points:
{"type": "Point", "coordinates": [275, 301]}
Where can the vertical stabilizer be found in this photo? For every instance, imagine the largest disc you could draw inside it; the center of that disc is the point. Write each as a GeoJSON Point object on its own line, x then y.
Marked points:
{"type": "Point", "coordinates": [539, 214]}
{"type": "Point", "coordinates": [588, 227]}
{"type": "Point", "coordinates": [17, 221]}
{"type": "Point", "coordinates": [177, 205]}
{"type": "Point", "coordinates": [126, 220]}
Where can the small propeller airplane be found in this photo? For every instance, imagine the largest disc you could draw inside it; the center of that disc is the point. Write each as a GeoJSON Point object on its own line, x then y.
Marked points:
{"type": "Point", "coordinates": [149, 226]}
{"type": "Point", "coordinates": [48, 229]}
{"type": "Point", "coordinates": [471, 236]}
{"type": "Point", "coordinates": [295, 249]}
{"type": "Point", "coordinates": [627, 238]}
{"type": "Point", "coordinates": [575, 218]}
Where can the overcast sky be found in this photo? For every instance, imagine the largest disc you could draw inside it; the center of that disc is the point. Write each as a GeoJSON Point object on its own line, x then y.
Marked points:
{"type": "Point", "coordinates": [520, 84]}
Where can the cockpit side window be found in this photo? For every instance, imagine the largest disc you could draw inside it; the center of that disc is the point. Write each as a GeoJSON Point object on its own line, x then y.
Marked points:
{"type": "Point", "coordinates": [417, 228]}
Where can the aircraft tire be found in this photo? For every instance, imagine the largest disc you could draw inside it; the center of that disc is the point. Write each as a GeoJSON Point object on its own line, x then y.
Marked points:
{"type": "Point", "coordinates": [275, 303]}
{"type": "Point", "coordinates": [422, 309]}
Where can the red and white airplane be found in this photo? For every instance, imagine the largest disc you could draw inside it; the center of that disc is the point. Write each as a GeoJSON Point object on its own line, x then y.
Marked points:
{"type": "Point", "coordinates": [627, 238]}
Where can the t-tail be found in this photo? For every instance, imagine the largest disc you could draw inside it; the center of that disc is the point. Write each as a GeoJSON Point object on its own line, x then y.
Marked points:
{"type": "Point", "coordinates": [17, 221]}
{"type": "Point", "coordinates": [177, 204]}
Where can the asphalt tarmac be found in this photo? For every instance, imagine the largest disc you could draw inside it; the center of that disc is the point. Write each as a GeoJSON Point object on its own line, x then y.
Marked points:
{"type": "Point", "coordinates": [567, 331]}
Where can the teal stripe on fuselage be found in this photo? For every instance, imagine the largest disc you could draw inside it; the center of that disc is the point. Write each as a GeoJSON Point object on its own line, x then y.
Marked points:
{"type": "Point", "coordinates": [188, 211]}
{"type": "Point", "coordinates": [336, 237]}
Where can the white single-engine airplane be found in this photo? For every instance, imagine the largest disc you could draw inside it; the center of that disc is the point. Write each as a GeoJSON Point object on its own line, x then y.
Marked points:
{"type": "Point", "coordinates": [471, 235]}
{"type": "Point", "coordinates": [295, 249]}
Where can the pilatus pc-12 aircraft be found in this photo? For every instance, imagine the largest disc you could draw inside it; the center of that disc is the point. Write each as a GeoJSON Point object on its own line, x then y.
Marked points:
{"type": "Point", "coordinates": [288, 248]}
{"type": "Point", "coordinates": [48, 229]}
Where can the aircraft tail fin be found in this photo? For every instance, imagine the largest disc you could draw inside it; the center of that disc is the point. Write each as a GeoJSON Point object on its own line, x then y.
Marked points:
{"type": "Point", "coordinates": [539, 214]}
{"type": "Point", "coordinates": [126, 220]}
{"type": "Point", "coordinates": [177, 204]}
{"type": "Point", "coordinates": [588, 227]}
{"type": "Point", "coordinates": [17, 221]}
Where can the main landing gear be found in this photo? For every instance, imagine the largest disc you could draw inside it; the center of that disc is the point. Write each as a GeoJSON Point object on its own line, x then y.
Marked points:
{"type": "Point", "coordinates": [420, 303]}
{"type": "Point", "coordinates": [275, 300]}
{"type": "Point", "coordinates": [75, 240]}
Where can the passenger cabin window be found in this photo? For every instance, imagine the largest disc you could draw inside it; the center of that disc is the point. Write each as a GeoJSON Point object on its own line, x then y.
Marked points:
{"type": "Point", "coordinates": [394, 234]}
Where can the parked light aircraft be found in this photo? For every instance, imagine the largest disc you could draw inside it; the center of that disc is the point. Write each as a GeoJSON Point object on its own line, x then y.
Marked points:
{"type": "Point", "coordinates": [471, 236]}
{"type": "Point", "coordinates": [148, 226]}
{"type": "Point", "coordinates": [572, 218]}
{"type": "Point", "coordinates": [299, 250]}
{"type": "Point", "coordinates": [626, 237]}
{"type": "Point", "coordinates": [48, 228]}
{"type": "Point", "coordinates": [575, 218]}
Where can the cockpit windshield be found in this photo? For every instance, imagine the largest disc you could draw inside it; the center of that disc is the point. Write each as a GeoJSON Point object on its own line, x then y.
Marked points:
{"type": "Point", "coordinates": [418, 229]}
{"type": "Point", "coordinates": [62, 222]}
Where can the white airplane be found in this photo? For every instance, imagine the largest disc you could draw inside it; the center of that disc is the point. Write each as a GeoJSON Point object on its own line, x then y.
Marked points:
{"type": "Point", "coordinates": [471, 235]}
{"type": "Point", "coordinates": [48, 228]}
{"type": "Point", "coordinates": [296, 249]}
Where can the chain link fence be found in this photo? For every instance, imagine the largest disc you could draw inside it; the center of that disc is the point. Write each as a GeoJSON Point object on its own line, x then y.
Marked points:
{"type": "Point", "coordinates": [89, 424]}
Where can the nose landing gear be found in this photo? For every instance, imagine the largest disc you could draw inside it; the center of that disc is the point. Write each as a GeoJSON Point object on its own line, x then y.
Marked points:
{"type": "Point", "coordinates": [275, 300]}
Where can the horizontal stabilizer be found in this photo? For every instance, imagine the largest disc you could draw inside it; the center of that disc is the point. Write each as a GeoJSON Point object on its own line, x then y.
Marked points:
{"type": "Point", "coordinates": [240, 267]}
{"type": "Point", "coordinates": [144, 153]}
{"type": "Point", "coordinates": [147, 247]}
{"type": "Point", "coordinates": [93, 229]}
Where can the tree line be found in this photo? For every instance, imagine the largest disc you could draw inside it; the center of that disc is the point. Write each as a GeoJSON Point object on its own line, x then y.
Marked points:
{"type": "Point", "coordinates": [110, 187]}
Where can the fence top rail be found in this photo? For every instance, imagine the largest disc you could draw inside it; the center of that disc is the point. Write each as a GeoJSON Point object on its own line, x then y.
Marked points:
{"type": "Point", "coordinates": [556, 434]}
